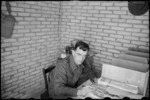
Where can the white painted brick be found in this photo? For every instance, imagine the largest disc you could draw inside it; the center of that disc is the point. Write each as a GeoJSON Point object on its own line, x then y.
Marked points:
{"type": "Point", "coordinates": [9, 40]}
{"type": "Point", "coordinates": [87, 7]}
{"type": "Point", "coordinates": [36, 30]}
{"type": "Point", "coordinates": [99, 7]}
{"type": "Point", "coordinates": [107, 53]}
{"type": "Point", "coordinates": [116, 36]}
{"type": "Point", "coordinates": [35, 23]}
{"type": "Point", "coordinates": [129, 45]}
{"type": "Point", "coordinates": [23, 5]}
{"type": "Point", "coordinates": [124, 25]}
{"type": "Point", "coordinates": [90, 39]}
{"type": "Point", "coordinates": [11, 65]}
{"type": "Point", "coordinates": [105, 19]}
{"type": "Point", "coordinates": [24, 46]}
{"type": "Point", "coordinates": [18, 27]}
{"type": "Point", "coordinates": [19, 59]}
{"type": "Point", "coordinates": [29, 19]}
{"type": "Point", "coordinates": [139, 43]}
{"type": "Point", "coordinates": [134, 21]}
{"type": "Point", "coordinates": [123, 40]}
{"type": "Point", "coordinates": [120, 12]}
{"type": "Point", "coordinates": [112, 16]}
{"type": "Point", "coordinates": [107, 46]}
{"type": "Point", "coordinates": [11, 56]}
{"type": "Point", "coordinates": [96, 37]}
{"type": "Point", "coordinates": [36, 15]}
{"type": "Point", "coordinates": [119, 20]}
{"type": "Point", "coordinates": [92, 26]}
{"type": "Point", "coordinates": [23, 23]}
{"type": "Point", "coordinates": [23, 14]}
{"type": "Point", "coordinates": [115, 43]}
{"type": "Point", "coordinates": [111, 23]}
{"type": "Point", "coordinates": [117, 28]}
{"type": "Point", "coordinates": [140, 26]}
{"type": "Point", "coordinates": [6, 62]}
{"type": "Point", "coordinates": [131, 37]}
{"type": "Point", "coordinates": [94, 3]}
{"type": "Point", "coordinates": [109, 38]}
{"type": "Point", "coordinates": [12, 87]}
{"type": "Point", "coordinates": [102, 41]}
{"type": "Point", "coordinates": [93, 11]}
{"type": "Point", "coordinates": [6, 70]}
{"type": "Point", "coordinates": [18, 51]}
{"type": "Point", "coordinates": [9, 74]}
{"type": "Point", "coordinates": [24, 76]}
{"type": "Point", "coordinates": [128, 17]}
{"type": "Point", "coordinates": [144, 39]}
{"type": "Point", "coordinates": [140, 34]}
{"type": "Point", "coordinates": [123, 33]}
{"type": "Point", "coordinates": [113, 51]}
{"type": "Point", "coordinates": [109, 31]}
{"type": "Point", "coordinates": [124, 8]}
{"type": "Point", "coordinates": [107, 3]}
{"type": "Point", "coordinates": [145, 30]}
{"type": "Point", "coordinates": [121, 3]}
{"type": "Point", "coordinates": [121, 48]}
{"type": "Point", "coordinates": [24, 39]}
{"type": "Point", "coordinates": [11, 48]}
{"type": "Point", "coordinates": [142, 17]}
{"type": "Point", "coordinates": [100, 55]}
{"type": "Point", "coordinates": [30, 10]}
{"type": "Point", "coordinates": [105, 12]}
{"type": "Point", "coordinates": [17, 9]}
{"type": "Point", "coordinates": [146, 22]}
{"type": "Point", "coordinates": [75, 14]}
{"type": "Point", "coordinates": [29, 42]}
{"type": "Point", "coordinates": [132, 29]}
{"type": "Point", "coordinates": [6, 45]}
{"type": "Point", "coordinates": [113, 8]}
{"type": "Point", "coordinates": [17, 43]}
{"type": "Point", "coordinates": [104, 26]}
{"type": "Point", "coordinates": [24, 61]}
{"type": "Point", "coordinates": [23, 30]}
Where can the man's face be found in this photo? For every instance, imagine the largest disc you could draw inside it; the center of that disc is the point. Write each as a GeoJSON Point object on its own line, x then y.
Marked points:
{"type": "Point", "coordinates": [79, 55]}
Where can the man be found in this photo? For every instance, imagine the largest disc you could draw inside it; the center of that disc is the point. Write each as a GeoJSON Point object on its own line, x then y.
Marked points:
{"type": "Point", "coordinates": [70, 73]}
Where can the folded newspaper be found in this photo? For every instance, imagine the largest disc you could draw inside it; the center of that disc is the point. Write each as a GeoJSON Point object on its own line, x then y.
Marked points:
{"type": "Point", "coordinates": [120, 85]}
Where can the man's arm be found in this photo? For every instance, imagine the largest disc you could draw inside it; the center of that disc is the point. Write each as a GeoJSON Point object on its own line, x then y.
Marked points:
{"type": "Point", "coordinates": [60, 81]}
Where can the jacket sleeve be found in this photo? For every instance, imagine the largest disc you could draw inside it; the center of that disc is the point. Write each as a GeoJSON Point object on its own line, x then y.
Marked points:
{"type": "Point", "coordinates": [60, 81]}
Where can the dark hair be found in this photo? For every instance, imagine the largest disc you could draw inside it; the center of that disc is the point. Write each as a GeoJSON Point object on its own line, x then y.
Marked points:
{"type": "Point", "coordinates": [82, 45]}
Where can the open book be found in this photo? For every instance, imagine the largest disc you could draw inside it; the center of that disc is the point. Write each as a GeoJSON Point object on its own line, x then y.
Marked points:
{"type": "Point", "coordinates": [120, 85]}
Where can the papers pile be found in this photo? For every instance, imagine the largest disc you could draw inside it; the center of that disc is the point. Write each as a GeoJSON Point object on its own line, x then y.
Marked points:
{"type": "Point", "coordinates": [119, 85]}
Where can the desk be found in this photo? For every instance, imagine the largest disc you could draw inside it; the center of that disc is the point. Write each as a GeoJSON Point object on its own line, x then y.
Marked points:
{"type": "Point", "coordinates": [101, 92]}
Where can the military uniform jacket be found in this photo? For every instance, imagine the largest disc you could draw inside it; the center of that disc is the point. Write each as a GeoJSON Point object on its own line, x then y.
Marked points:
{"type": "Point", "coordinates": [64, 77]}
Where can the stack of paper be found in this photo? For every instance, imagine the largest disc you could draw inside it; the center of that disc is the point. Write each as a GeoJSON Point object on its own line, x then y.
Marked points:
{"type": "Point", "coordinates": [119, 85]}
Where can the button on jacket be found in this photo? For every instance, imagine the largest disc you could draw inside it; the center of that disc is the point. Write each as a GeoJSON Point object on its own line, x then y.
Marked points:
{"type": "Point", "coordinates": [64, 77]}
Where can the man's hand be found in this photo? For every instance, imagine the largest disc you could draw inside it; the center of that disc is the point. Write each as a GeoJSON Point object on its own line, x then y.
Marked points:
{"type": "Point", "coordinates": [84, 91]}
{"type": "Point", "coordinates": [95, 80]}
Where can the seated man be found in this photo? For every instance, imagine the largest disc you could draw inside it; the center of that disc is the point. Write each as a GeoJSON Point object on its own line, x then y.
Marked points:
{"type": "Point", "coordinates": [65, 77]}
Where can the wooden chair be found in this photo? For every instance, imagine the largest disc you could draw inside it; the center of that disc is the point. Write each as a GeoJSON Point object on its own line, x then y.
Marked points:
{"type": "Point", "coordinates": [45, 95]}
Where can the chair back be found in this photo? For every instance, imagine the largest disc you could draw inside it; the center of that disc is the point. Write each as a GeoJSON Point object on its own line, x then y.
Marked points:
{"type": "Point", "coordinates": [45, 74]}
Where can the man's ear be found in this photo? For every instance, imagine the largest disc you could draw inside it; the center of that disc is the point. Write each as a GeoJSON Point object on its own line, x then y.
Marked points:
{"type": "Point", "coordinates": [73, 52]}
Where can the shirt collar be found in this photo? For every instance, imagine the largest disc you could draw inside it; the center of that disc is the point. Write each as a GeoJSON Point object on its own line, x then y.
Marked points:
{"type": "Point", "coordinates": [72, 63]}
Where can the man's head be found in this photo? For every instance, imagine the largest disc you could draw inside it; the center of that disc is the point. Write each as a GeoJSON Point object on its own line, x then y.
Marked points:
{"type": "Point", "coordinates": [80, 51]}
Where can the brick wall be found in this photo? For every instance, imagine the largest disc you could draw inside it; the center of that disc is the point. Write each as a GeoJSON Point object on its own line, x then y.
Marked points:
{"type": "Point", "coordinates": [32, 47]}
{"type": "Point", "coordinates": [108, 27]}
{"type": "Point", "coordinates": [42, 27]}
